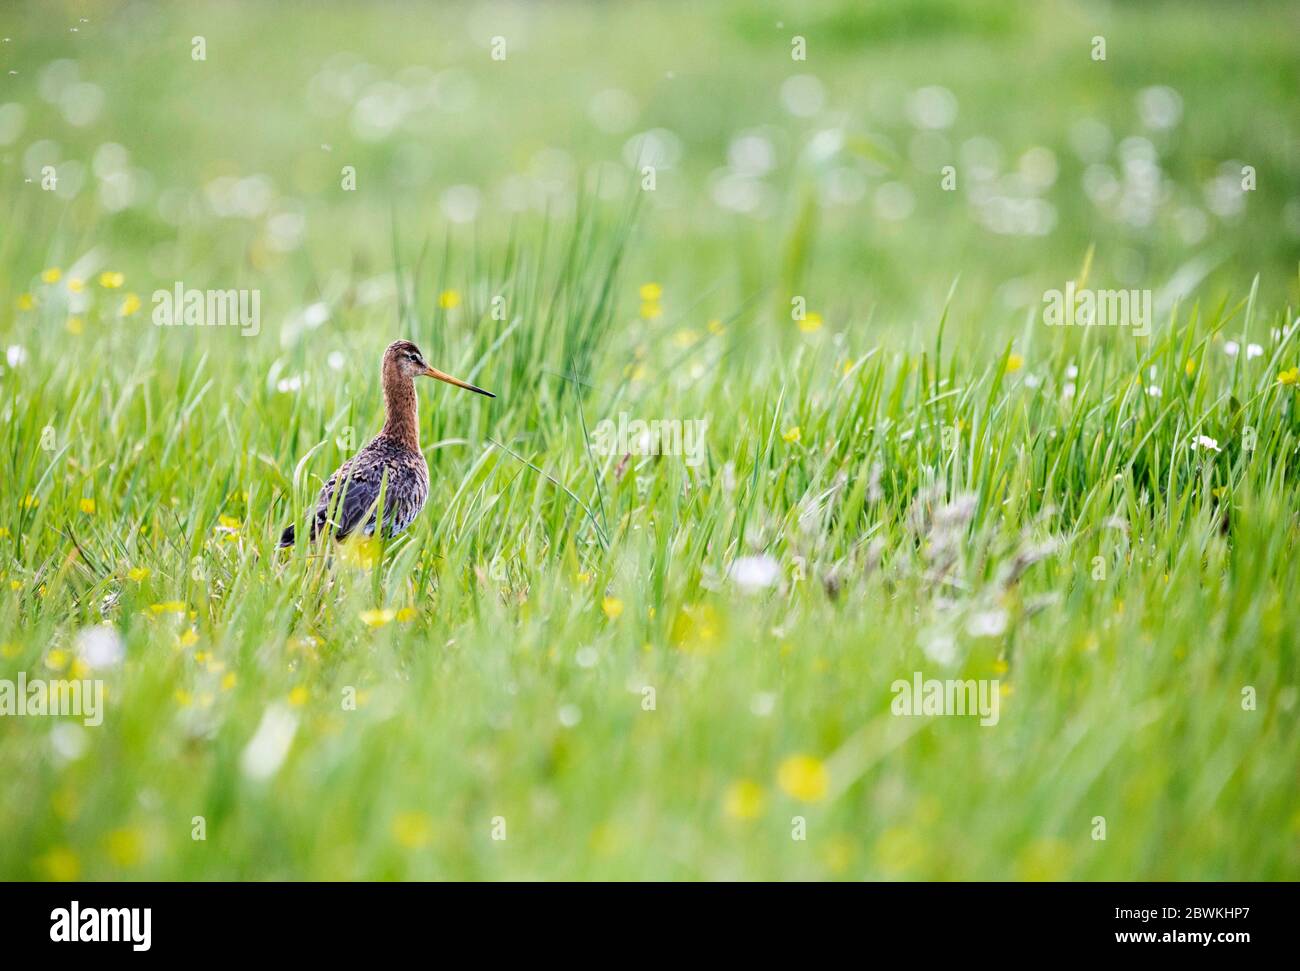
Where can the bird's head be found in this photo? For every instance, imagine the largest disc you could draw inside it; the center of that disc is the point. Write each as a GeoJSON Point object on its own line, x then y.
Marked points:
{"type": "Point", "coordinates": [405, 360]}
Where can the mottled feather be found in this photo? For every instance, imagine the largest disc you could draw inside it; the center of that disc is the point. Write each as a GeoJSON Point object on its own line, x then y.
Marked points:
{"type": "Point", "coordinates": [351, 495]}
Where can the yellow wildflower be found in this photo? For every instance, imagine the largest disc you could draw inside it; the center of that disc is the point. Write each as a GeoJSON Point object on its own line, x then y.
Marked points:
{"type": "Point", "coordinates": [60, 865]}
{"type": "Point", "coordinates": [111, 280]}
{"type": "Point", "coordinates": [1014, 363]}
{"type": "Point", "coordinates": [87, 505]}
{"type": "Point", "coordinates": [75, 326]}
{"type": "Point", "coordinates": [812, 321]}
{"type": "Point", "coordinates": [744, 799]}
{"type": "Point", "coordinates": [26, 301]}
{"type": "Point", "coordinates": [52, 275]}
{"type": "Point", "coordinates": [613, 607]}
{"type": "Point", "coordinates": [76, 284]}
{"type": "Point", "coordinates": [412, 830]}
{"type": "Point", "coordinates": [791, 434]}
{"type": "Point", "coordinates": [361, 552]}
{"type": "Point", "coordinates": [377, 618]}
{"type": "Point", "coordinates": [298, 696]}
{"type": "Point", "coordinates": [138, 574]}
{"type": "Point", "coordinates": [125, 847]}
{"type": "Point", "coordinates": [449, 299]}
{"type": "Point", "coordinates": [695, 629]}
{"type": "Point", "coordinates": [651, 292]}
{"type": "Point", "coordinates": [1290, 377]}
{"type": "Point", "coordinates": [168, 607]}
{"type": "Point", "coordinates": [804, 777]}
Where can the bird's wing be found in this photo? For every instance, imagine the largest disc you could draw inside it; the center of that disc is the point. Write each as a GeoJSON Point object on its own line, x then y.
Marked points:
{"type": "Point", "coordinates": [349, 497]}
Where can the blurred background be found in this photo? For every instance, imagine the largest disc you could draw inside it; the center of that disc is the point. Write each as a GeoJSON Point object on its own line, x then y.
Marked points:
{"type": "Point", "coordinates": [824, 174]}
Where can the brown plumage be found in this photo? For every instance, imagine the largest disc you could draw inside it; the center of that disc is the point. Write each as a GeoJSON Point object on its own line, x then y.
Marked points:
{"type": "Point", "coordinates": [391, 462]}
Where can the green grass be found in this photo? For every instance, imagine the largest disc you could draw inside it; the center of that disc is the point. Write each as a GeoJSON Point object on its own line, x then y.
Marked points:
{"type": "Point", "coordinates": [946, 484]}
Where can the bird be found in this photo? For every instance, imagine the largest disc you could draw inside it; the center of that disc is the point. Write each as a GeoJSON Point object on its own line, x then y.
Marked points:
{"type": "Point", "coordinates": [391, 461]}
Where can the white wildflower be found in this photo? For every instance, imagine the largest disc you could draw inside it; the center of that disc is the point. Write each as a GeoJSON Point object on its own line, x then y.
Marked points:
{"type": "Point", "coordinates": [100, 647]}
{"type": "Point", "coordinates": [987, 623]}
{"type": "Point", "coordinates": [269, 746]}
{"type": "Point", "coordinates": [752, 573]}
{"type": "Point", "coordinates": [940, 648]}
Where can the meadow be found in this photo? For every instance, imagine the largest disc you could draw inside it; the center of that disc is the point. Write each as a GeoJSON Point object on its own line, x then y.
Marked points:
{"type": "Point", "coordinates": [597, 655]}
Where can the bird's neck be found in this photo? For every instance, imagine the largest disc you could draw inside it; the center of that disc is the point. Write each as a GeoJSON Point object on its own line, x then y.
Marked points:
{"type": "Point", "coordinates": [402, 414]}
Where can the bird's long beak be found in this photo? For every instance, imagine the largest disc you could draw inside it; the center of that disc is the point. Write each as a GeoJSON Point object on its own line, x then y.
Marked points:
{"type": "Point", "coordinates": [442, 376]}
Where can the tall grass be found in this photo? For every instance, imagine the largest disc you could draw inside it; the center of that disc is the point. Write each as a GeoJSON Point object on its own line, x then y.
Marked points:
{"type": "Point", "coordinates": [954, 511]}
